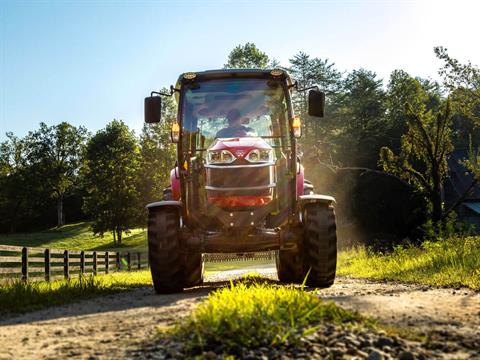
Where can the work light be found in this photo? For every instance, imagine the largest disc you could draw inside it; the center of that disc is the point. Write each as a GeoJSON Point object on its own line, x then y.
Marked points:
{"type": "Point", "coordinates": [220, 157]}
{"type": "Point", "coordinates": [260, 155]}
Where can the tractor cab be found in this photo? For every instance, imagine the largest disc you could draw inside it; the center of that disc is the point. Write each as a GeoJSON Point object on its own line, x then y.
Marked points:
{"type": "Point", "coordinates": [237, 185]}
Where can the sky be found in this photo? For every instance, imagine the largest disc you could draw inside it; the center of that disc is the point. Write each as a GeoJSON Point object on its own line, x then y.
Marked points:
{"type": "Point", "coordinates": [88, 62]}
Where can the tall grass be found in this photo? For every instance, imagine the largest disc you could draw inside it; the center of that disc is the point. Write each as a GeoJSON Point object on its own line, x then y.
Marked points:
{"type": "Point", "coordinates": [18, 296]}
{"type": "Point", "coordinates": [453, 262]}
{"type": "Point", "coordinates": [252, 314]}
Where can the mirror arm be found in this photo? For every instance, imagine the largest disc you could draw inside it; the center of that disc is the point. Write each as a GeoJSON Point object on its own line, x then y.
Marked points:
{"type": "Point", "coordinates": [307, 88]}
{"type": "Point", "coordinates": [172, 91]}
{"type": "Point", "coordinates": [295, 85]}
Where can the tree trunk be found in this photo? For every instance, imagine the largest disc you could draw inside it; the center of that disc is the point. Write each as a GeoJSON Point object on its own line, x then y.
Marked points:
{"type": "Point", "coordinates": [119, 236]}
{"type": "Point", "coordinates": [14, 218]}
{"type": "Point", "coordinates": [60, 211]}
{"type": "Point", "coordinates": [436, 198]}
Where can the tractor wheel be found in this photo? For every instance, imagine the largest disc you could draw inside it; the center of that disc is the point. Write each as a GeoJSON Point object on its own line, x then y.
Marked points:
{"type": "Point", "coordinates": [194, 269]}
{"type": "Point", "coordinates": [320, 245]}
{"type": "Point", "coordinates": [164, 252]}
{"type": "Point", "coordinates": [289, 266]}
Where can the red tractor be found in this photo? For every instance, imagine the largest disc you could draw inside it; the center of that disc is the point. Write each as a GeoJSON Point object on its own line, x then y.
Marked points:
{"type": "Point", "coordinates": [238, 185]}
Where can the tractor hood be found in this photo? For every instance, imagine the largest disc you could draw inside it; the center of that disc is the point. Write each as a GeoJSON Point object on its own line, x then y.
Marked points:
{"type": "Point", "coordinates": [239, 146]}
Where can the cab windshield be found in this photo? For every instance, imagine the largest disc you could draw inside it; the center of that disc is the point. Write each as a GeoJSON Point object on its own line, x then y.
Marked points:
{"type": "Point", "coordinates": [227, 108]}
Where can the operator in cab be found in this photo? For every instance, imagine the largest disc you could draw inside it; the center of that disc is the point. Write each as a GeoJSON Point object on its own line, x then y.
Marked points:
{"type": "Point", "coordinates": [235, 126]}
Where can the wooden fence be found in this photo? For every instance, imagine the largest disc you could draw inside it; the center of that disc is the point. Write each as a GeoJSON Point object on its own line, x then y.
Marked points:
{"type": "Point", "coordinates": [46, 264]}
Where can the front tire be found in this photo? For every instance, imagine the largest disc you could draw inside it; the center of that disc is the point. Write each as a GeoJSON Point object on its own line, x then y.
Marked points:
{"type": "Point", "coordinates": [289, 266]}
{"type": "Point", "coordinates": [164, 250]}
{"type": "Point", "coordinates": [320, 245]}
{"type": "Point", "coordinates": [194, 270]}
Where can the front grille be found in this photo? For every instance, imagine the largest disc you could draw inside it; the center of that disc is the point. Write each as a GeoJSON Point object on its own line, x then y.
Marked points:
{"type": "Point", "coordinates": [243, 180]}
{"type": "Point", "coordinates": [238, 177]}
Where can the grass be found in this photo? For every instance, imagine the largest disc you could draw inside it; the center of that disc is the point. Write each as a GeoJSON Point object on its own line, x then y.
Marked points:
{"type": "Point", "coordinates": [19, 296]}
{"type": "Point", "coordinates": [254, 313]}
{"type": "Point", "coordinates": [76, 236]}
{"type": "Point", "coordinates": [452, 262]}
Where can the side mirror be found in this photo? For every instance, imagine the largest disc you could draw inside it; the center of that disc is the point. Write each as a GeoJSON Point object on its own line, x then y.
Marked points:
{"type": "Point", "coordinates": [316, 103]}
{"type": "Point", "coordinates": [153, 109]}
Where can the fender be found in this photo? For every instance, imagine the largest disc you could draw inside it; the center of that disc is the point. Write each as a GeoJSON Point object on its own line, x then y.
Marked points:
{"type": "Point", "coordinates": [300, 180]}
{"type": "Point", "coordinates": [175, 183]}
{"type": "Point", "coordinates": [165, 203]}
{"type": "Point", "coordinates": [319, 199]}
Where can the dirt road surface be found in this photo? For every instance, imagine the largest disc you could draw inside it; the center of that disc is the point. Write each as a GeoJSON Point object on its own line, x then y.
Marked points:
{"type": "Point", "coordinates": [114, 326]}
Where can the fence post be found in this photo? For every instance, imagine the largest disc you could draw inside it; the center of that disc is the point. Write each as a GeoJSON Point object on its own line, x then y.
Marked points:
{"type": "Point", "coordinates": [106, 262]}
{"type": "Point", "coordinates": [66, 265]}
{"type": "Point", "coordinates": [117, 258]}
{"type": "Point", "coordinates": [139, 265]}
{"type": "Point", "coordinates": [129, 261]}
{"type": "Point", "coordinates": [25, 264]}
{"type": "Point", "coordinates": [95, 263]}
{"type": "Point", "coordinates": [82, 262]}
{"type": "Point", "coordinates": [47, 264]}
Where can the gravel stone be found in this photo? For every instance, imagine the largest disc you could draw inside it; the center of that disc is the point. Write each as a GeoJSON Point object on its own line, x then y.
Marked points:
{"type": "Point", "coordinates": [383, 341]}
{"type": "Point", "coordinates": [406, 355]}
{"type": "Point", "coordinates": [375, 355]}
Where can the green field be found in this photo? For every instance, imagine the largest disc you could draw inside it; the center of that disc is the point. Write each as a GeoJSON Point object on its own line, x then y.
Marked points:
{"type": "Point", "coordinates": [452, 262]}
{"type": "Point", "coordinates": [77, 236]}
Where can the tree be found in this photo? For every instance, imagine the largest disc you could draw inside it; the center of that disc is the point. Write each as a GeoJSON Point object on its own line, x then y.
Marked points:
{"type": "Point", "coordinates": [55, 154]}
{"type": "Point", "coordinates": [401, 89]}
{"type": "Point", "coordinates": [15, 178]}
{"type": "Point", "coordinates": [360, 118]}
{"type": "Point", "coordinates": [422, 160]}
{"type": "Point", "coordinates": [110, 174]}
{"type": "Point", "coordinates": [157, 154]}
{"type": "Point", "coordinates": [463, 83]}
{"type": "Point", "coordinates": [309, 71]}
{"type": "Point", "coordinates": [247, 56]}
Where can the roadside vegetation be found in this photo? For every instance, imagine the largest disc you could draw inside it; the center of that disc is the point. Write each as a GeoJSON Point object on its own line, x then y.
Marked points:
{"type": "Point", "coordinates": [254, 313]}
{"type": "Point", "coordinates": [452, 262]}
{"type": "Point", "coordinates": [18, 296]}
{"type": "Point", "coordinates": [21, 296]}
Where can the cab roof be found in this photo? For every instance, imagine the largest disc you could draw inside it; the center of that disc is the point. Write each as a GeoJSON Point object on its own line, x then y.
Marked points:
{"type": "Point", "coordinates": [233, 73]}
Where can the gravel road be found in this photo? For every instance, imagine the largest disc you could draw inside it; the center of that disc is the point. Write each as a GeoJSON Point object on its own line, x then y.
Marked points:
{"type": "Point", "coordinates": [117, 326]}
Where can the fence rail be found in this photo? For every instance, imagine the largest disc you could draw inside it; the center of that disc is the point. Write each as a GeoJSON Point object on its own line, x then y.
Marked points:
{"type": "Point", "coordinates": [25, 263]}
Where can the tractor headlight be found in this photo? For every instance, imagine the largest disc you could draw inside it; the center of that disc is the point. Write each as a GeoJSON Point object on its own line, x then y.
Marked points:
{"type": "Point", "coordinates": [220, 157]}
{"type": "Point", "coordinates": [260, 155]}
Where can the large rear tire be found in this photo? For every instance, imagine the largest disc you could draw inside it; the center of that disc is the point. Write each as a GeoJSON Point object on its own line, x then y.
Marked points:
{"type": "Point", "coordinates": [320, 245]}
{"type": "Point", "coordinates": [164, 251]}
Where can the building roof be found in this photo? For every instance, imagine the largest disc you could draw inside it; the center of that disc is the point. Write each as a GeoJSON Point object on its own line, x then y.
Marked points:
{"type": "Point", "coordinates": [459, 179]}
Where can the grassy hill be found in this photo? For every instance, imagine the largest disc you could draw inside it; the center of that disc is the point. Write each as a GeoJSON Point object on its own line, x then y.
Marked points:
{"type": "Point", "coordinates": [77, 236]}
